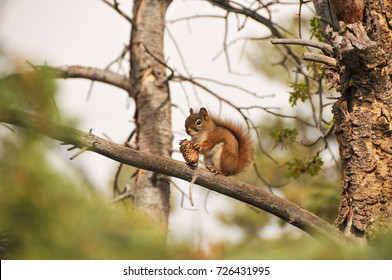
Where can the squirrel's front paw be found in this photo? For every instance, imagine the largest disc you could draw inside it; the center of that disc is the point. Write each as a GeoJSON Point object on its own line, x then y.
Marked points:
{"type": "Point", "coordinates": [196, 146]}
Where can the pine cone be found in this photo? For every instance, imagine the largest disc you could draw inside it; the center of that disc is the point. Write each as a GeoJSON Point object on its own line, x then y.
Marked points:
{"type": "Point", "coordinates": [190, 154]}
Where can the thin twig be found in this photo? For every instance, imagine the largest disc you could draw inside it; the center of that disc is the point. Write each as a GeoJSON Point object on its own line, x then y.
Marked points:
{"type": "Point", "coordinates": [233, 86]}
{"type": "Point", "coordinates": [301, 42]}
{"type": "Point", "coordinates": [178, 49]}
{"type": "Point", "coordinates": [205, 201]}
{"type": "Point", "coordinates": [119, 58]}
{"type": "Point", "coordinates": [120, 197]}
{"type": "Point", "coordinates": [183, 196]}
{"type": "Point", "coordinates": [116, 188]}
{"type": "Point", "coordinates": [194, 178]}
{"type": "Point", "coordinates": [78, 153]}
{"type": "Point", "coordinates": [116, 7]}
{"type": "Point", "coordinates": [195, 17]}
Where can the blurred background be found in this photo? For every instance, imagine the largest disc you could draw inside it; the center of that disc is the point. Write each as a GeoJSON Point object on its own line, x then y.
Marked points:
{"type": "Point", "coordinates": [54, 208]}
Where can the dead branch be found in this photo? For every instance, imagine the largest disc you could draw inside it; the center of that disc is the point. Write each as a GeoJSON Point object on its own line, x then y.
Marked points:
{"type": "Point", "coordinates": [121, 197]}
{"type": "Point", "coordinates": [90, 73]}
{"type": "Point", "coordinates": [116, 6]}
{"type": "Point", "coordinates": [191, 189]}
{"type": "Point", "coordinates": [319, 45]}
{"type": "Point", "coordinates": [78, 153]}
{"type": "Point", "coordinates": [187, 18]}
{"type": "Point", "coordinates": [315, 57]}
{"type": "Point", "coordinates": [246, 193]}
{"type": "Point", "coordinates": [119, 59]}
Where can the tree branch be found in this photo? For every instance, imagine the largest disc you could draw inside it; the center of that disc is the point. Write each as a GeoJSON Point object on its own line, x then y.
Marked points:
{"type": "Point", "coordinates": [90, 73]}
{"type": "Point", "coordinates": [315, 57]}
{"type": "Point", "coordinates": [319, 45]}
{"type": "Point", "coordinates": [254, 196]}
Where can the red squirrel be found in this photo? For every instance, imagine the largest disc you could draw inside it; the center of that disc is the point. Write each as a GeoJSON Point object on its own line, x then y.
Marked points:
{"type": "Point", "coordinates": [226, 146]}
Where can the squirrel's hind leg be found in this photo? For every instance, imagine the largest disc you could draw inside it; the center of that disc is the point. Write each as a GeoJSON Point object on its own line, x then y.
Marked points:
{"type": "Point", "coordinates": [213, 169]}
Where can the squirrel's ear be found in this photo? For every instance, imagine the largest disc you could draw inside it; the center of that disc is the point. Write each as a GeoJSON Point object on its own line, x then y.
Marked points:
{"type": "Point", "coordinates": [203, 111]}
{"type": "Point", "coordinates": [191, 111]}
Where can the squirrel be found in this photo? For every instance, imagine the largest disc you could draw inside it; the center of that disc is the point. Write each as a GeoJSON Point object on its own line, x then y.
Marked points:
{"type": "Point", "coordinates": [227, 146]}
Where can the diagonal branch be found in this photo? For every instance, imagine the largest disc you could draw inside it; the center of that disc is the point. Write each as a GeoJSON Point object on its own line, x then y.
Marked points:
{"type": "Point", "coordinates": [90, 73]}
{"type": "Point", "coordinates": [254, 196]}
{"type": "Point", "coordinates": [301, 42]}
{"type": "Point", "coordinates": [225, 4]}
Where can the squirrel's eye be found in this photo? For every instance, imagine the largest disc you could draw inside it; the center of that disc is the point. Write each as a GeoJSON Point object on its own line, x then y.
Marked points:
{"type": "Point", "coordinates": [198, 122]}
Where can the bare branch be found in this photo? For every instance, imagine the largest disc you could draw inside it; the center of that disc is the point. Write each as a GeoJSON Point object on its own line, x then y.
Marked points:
{"type": "Point", "coordinates": [120, 197]}
{"type": "Point", "coordinates": [116, 6]}
{"type": "Point", "coordinates": [245, 40]}
{"type": "Point", "coordinates": [182, 58]}
{"type": "Point", "coordinates": [191, 189]}
{"type": "Point", "coordinates": [322, 46]}
{"type": "Point", "coordinates": [195, 17]}
{"type": "Point", "coordinates": [324, 137]}
{"type": "Point", "coordinates": [247, 91]}
{"type": "Point", "coordinates": [319, 58]}
{"type": "Point", "coordinates": [91, 73]}
{"type": "Point", "coordinates": [246, 193]}
{"type": "Point", "coordinates": [78, 153]}
{"type": "Point", "coordinates": [119, 59]}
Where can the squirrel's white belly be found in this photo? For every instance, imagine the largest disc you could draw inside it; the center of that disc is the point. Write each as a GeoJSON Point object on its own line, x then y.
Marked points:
{"type": "Point", "coordinates": [212, 157]}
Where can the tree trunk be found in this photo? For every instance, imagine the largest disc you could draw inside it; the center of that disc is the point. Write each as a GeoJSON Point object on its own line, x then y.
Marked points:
{"type": "Point", "coordinates": [152, 97]}
{"type": "Point", "coordinates": [363, 114]}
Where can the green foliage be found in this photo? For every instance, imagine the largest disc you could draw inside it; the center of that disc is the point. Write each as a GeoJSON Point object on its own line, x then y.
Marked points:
{"type": "Point", "coordinates": [284, 136]}
{"type": "Point", "coordinates": [323, 199]}
{"type": "Point", "coordinates": [308, 248]}
{"type": "Point", "coordinates": [297, 167]}
{"type": "Point", "coordinates": [32, 91]}
{"type": "Point", "coordinates": [300, 92]}
{"type": "Point", "coordinates": [315, 29]}
{"type": "Point", "coordinates": [48, 216]}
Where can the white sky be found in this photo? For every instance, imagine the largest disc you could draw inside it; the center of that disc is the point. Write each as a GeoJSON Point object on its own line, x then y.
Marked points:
{"type": "Point", "coordinates": [89, 33]}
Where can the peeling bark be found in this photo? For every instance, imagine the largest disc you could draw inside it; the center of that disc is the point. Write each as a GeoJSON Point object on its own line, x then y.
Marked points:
{"type": "Point", "coordinates": [363, 118]}
{"type": "Point", "coordinates": [152, 97]}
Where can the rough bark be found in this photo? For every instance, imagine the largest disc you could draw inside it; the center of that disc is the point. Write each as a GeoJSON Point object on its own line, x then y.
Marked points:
{"type": "Point", "coordinates": [348, 11]}
{"type": "Point", "coordinates": [152, 97]}
{"type": "Point", "coordinates": [363, 115]}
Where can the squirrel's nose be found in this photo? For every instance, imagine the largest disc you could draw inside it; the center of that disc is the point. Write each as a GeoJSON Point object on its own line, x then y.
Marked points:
{"type": "Point", "coordinates": [189, 131]}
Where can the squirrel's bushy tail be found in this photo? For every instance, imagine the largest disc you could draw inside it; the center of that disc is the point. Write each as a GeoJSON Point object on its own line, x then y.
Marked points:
{"type": "Point", "coordinates": [245, 149]}
{"type": "Point", "coordinates": [244, 139]}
